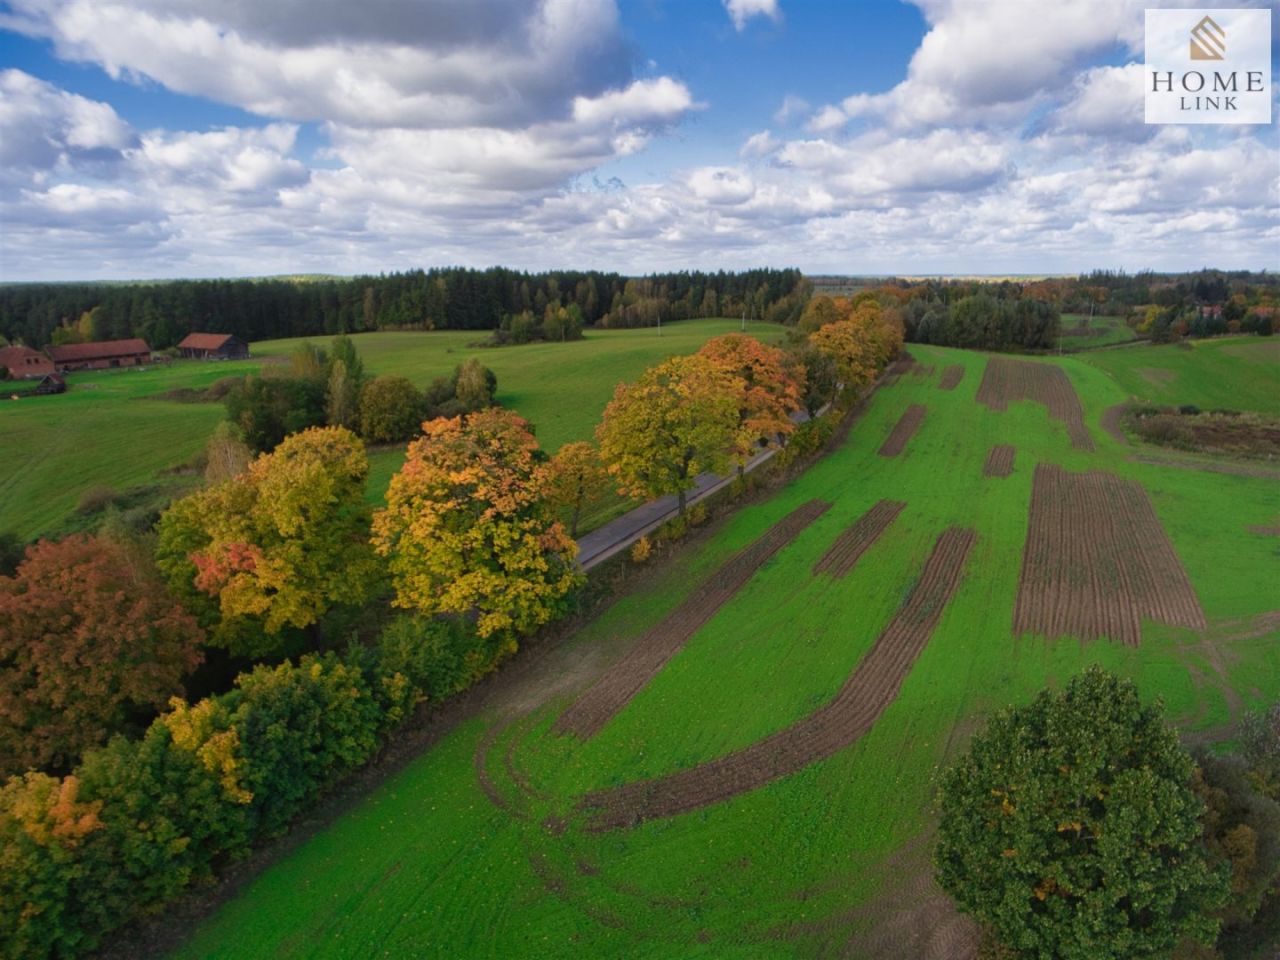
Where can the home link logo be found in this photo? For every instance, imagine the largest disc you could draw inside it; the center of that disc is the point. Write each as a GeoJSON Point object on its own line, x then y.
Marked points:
{"type": "Point", "coordinates": [1208, 40]}
{"type": "Point", "coordinates": [1182, 86]}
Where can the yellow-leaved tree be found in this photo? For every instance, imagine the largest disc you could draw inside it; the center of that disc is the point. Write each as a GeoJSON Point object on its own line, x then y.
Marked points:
{"type": "Point", "coordinates": [573, 478]}
{"type": "Point", "coordinates": [278, 545]}
{"type": "Point", "coordinates": [855, 351]}
{"type": "Point", "coordinates": [678, 420]}
{"type": "Point", "coordinates": [769, 387]}
{"type": "Point", "coordinates": [467, 527]}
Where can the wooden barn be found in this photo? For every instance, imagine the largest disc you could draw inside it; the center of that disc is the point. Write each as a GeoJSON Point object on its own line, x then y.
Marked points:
{"type": "Point", "coordinates": [100, 356]}
{"type": "Point", "coordinates": [23, 363]}
{"type": "Point", "coordinates": [213, 346]}
{"type": "Point", "coordinates": [53, 383]}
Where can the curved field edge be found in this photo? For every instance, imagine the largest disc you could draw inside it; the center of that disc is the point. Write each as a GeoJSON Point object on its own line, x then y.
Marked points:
{"type": "Point", "coordinates": [429, 866]}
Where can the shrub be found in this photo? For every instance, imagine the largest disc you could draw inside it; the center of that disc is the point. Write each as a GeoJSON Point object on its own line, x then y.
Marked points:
{"type": "Point", "coordinates": [96, 499]}
{"type": "Point", "coordinates": [391, 410]}
{"type": "Point", "coordinates": [641, 550]}
{"type": "Point", "coordinates": [439, 656]}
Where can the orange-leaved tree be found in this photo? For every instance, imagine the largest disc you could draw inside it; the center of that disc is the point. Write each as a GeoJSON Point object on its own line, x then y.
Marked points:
{"type": "Point", "coordinates": [89, 642]}
{"type": "Point", "coordinates": [278, 545]}
{"type": "Point", "coordinates": [855, 351]}
{"type": "Point", "coordinates": [770, 388]}
{"type": "Point", "coordinates": [573, 478]}
{"type": "Point", "coordinates": [467, 527]}
{"type": "Point", "coordinates": [678, 420]}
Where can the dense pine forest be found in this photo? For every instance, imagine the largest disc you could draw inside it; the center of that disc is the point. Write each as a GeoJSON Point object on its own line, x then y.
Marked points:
{"type": "Point", "coordinates": [439, 299]}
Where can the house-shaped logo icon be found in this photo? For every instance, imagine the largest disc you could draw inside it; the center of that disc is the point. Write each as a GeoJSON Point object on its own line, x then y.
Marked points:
{"type": "Point", "coordinates": [1208, 40]}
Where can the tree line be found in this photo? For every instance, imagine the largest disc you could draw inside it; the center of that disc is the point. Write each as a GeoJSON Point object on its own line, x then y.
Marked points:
{"type": "Point", "coordinates": [347, 617]}
{"type": "Point", "coordinates": [449, 298]}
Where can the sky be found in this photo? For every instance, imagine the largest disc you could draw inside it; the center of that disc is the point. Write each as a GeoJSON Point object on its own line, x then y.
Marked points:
{"type": "Point", "coordinates": [188, 138]}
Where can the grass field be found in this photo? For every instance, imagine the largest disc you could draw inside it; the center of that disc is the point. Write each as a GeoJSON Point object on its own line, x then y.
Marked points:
{"type": "Point", "coordinates": [830, 861]}
{"type": "Point", "coordinates": [1106, 331]}
{"type": "Point", "coordinates": [109, 431]}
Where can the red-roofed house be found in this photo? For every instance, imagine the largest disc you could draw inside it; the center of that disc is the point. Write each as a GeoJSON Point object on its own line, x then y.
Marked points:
{"type": "Point", "coordinates": [213, 346]}
{"type": "Point", "coordinates": [23, 363]}
{"type": "Point", "coordinates": [99, 356]}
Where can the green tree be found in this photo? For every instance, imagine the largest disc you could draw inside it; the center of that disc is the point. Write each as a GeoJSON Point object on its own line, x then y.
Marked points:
{"type": "Point", "coordinates": [391, 410]}
{"type": "Point", "coordinates": [1070, 828]}
{"type": "Point", "coordinates": [475, 386]}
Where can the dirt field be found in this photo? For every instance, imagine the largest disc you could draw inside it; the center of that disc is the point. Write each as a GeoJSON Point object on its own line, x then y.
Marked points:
{"type": "Point", "coordinates": [844, 554]}
{"type": "Point", "coordinates": [869, 690]}
{"type": "Point", "coordinates": [907, 425]}
{"type": "Point", "coordinates": [951, 377]}
{"type": "Point", "coordinates": [1265, 531]}
{"type": "Point", "coordinates": [1005, 380]}
{"type": "Point", "coordinates": [648, 655]}
{"type": "Point", "coordinates": [1097, 561]}
{"type": "Point", "coordinates": [999, 461]}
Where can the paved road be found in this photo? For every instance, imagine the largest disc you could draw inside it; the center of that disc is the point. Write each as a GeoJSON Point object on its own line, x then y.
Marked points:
{"type": "Point", "coordinates": [615, 536]}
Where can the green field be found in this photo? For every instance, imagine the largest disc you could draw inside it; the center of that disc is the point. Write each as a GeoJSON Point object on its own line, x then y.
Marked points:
{"type": "Point", "coordinates": [814, 864]}
{"type": "Point", "coordinates": [109, 431]}
{"type": "Point", "coordinates": [1109, 330]}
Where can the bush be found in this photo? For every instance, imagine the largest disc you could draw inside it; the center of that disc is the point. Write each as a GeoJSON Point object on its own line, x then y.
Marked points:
{"type": "Point", "coordinates": [1188, 409]}
{"type": "Point", "coordinates": [96, 499]}
{"type": "Point", "coordinates": [439, 656]}
{"type": "Point", "coordinates": [391, 410]}
{"type": "Point", "coordinates": [641, 550]}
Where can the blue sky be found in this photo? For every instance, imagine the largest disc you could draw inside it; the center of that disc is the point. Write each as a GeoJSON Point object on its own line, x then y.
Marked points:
{"type": "Point", "coordinates": [169, 138]}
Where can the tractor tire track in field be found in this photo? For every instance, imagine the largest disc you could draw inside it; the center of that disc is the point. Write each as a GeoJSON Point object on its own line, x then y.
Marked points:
{"type": "Point", "coordinates": [1228, 469]}
{"type": "Point", "coordinates": [641, 663]}
{"type": "Point", "coordinates": [849, 547]}
{"type": "Point", "coordinates": [999, 461]}
{"type": "Point", "coordinates": [1113, 423]}
{"type": "Point", "coordinates": [951, 377]}
{"type": "Point", "coordinates": [1005, 380]}
{"type": "Point", "coordinates": [873, 685]}
{"type": "Point", "coordinates": [903, 430]}
{"type": "Point", "coordinates": [1096, 561]}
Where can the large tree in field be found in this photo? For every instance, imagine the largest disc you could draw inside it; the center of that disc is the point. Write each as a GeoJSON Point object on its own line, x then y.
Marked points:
{"type": "Point", "coordinates": [467, 528]}
{"type": "Point", "coordinates": [278, 545]}
{"type": "Point", "coordinates": [770, 390]}
{"type": "Point", "coordinates": [855, 351]}
{"type": "Point", "coordinates": [89, 641]}
{"type": "Point", "coordinates": [679, 420]}
{"type": "Point", "coordinates": [1070, 828]}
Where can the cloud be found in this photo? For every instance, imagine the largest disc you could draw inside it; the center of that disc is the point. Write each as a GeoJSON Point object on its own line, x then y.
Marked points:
{"type": "Point", "coordinates": [759, 145]}
{"type": "Point", "coordinates": [740, 11]}
{"type": "Point", "coordinates": [43, 127]}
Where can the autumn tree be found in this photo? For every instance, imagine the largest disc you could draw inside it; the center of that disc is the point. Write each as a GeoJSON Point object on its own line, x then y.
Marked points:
{"type": "Point", "coordinates": [848, 343]}
{"type": "Point", "coordinates": [818, 312]}
{"type": "Point", "coordinates": [226, 454]}
{"type": "Point", "coordinates": [345, 376]}
{"type": "Point", "coordinates": [89, 642]}
{"type": "Point", "coordinates": [1070, 828]}
{"type": "Point", "coordinates": [821, 377]}
{"type": "Point", "coordinates": [574, 478]}
{"type": "Point", "coordinates": [678, 420]}
{"type": "Point", "coordinates": [467, 528]}
{"type": "Point", "coordinates": [391, 410]}
{"type": "Point", "coordinates": [278, 545]}
{"type": "Point", "coordinates": [769, 390]}
{"type": "Point", "coordinates": [475, 386]}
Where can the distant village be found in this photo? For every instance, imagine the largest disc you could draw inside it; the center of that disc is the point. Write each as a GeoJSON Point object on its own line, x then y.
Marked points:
{"type": "Point", "coordinates": [50, 366]}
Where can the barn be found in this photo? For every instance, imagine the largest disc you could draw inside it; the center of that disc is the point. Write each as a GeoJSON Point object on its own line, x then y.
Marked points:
{"type": "Point", "coordinates": [213, 346]}
{"type": "Point", "coordinates": [99, 356]}
{"type": "Point", "coordinates": [23, 363]}
{"type": "Point", "coordinates": [53, 383]}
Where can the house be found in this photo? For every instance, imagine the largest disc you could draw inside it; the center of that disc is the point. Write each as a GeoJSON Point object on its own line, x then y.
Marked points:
{"type": "Point", "coordinates": [99, 356]}
{"type": "Point", "coordinates": [53, 383]}
{"type": "Point", "coordinates": [23, 363]}
{"type": "Point", "coordinates": [213, 346]}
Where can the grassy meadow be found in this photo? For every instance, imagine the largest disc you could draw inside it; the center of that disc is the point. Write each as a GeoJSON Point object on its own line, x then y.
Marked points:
{"type": "Point", "coordinates": [430, 865]}
{"type": "Point", "coordinates": [1108, 331]}
{"type": "Point", "coordinates": [110, 430]}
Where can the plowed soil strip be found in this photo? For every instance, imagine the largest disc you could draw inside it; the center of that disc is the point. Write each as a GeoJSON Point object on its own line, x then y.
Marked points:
{"type": "Point", "coordinates": [951, 377]}
{"type": "Point", "coordinates": [1006, 380]}
{"type": "Point", "coordinates": [907, 425]}
{"type": "Point", "coordinates": [856, 540]}
{"type": "Point", "coordinates": [1265, 531]}
{"type": "Point", "coordinates": [999, 461]}
{"type": "Point", "coordinates": [643, 661]}
{"type": "Point", "coordinates": [1097, 561]}
{"type": "Point", "coordinates": [869, 690]}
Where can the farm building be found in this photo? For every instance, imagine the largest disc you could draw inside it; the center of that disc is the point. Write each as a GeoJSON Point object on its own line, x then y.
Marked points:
{"type": "Point", "coordinates": [99, 356]}
{"type": "Point", "coordinates": [213, 346]}
{"type": "Point", "coordinates": [53, 383]}
{"type": "Point", "coordinates": [23, 363]}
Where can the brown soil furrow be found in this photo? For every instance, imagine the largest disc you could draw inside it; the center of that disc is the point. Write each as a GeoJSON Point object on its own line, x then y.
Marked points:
{"type": "Point", "coordinates": [650, 653]}
{"type": "Point", "coordinates": [999, 461]}
{"type": "Point", "coordinates": [1264, 531]}
{"type": "Point", "coordinates": [869, 690]}
{"type": "Point", "coordinates": [951, 377]}
{"type": "Point", "coordinates": [1096, 561]}
{"type": "Point", "coordinates": [1005, 380]}
{"type": "Point", "coordinates": [857, 539]}
{"type": "Point", "coordinates": [1112, 422]}
{"type": "Point", "coordinates": [907, 425]}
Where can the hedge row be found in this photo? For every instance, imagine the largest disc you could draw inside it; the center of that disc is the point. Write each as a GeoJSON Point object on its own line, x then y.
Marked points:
{"type": "Point", "coordinates": [139, 821]}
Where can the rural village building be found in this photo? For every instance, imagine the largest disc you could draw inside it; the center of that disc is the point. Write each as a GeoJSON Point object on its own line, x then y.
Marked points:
{"type": "Point", "coordinates": [23, 363]}
{"type": "Point", "coordinates": [213, 346]}
{"type": "Point", "coordinates": [53, 383]}
{"type": "Point", "coordinates": [99, 356]}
